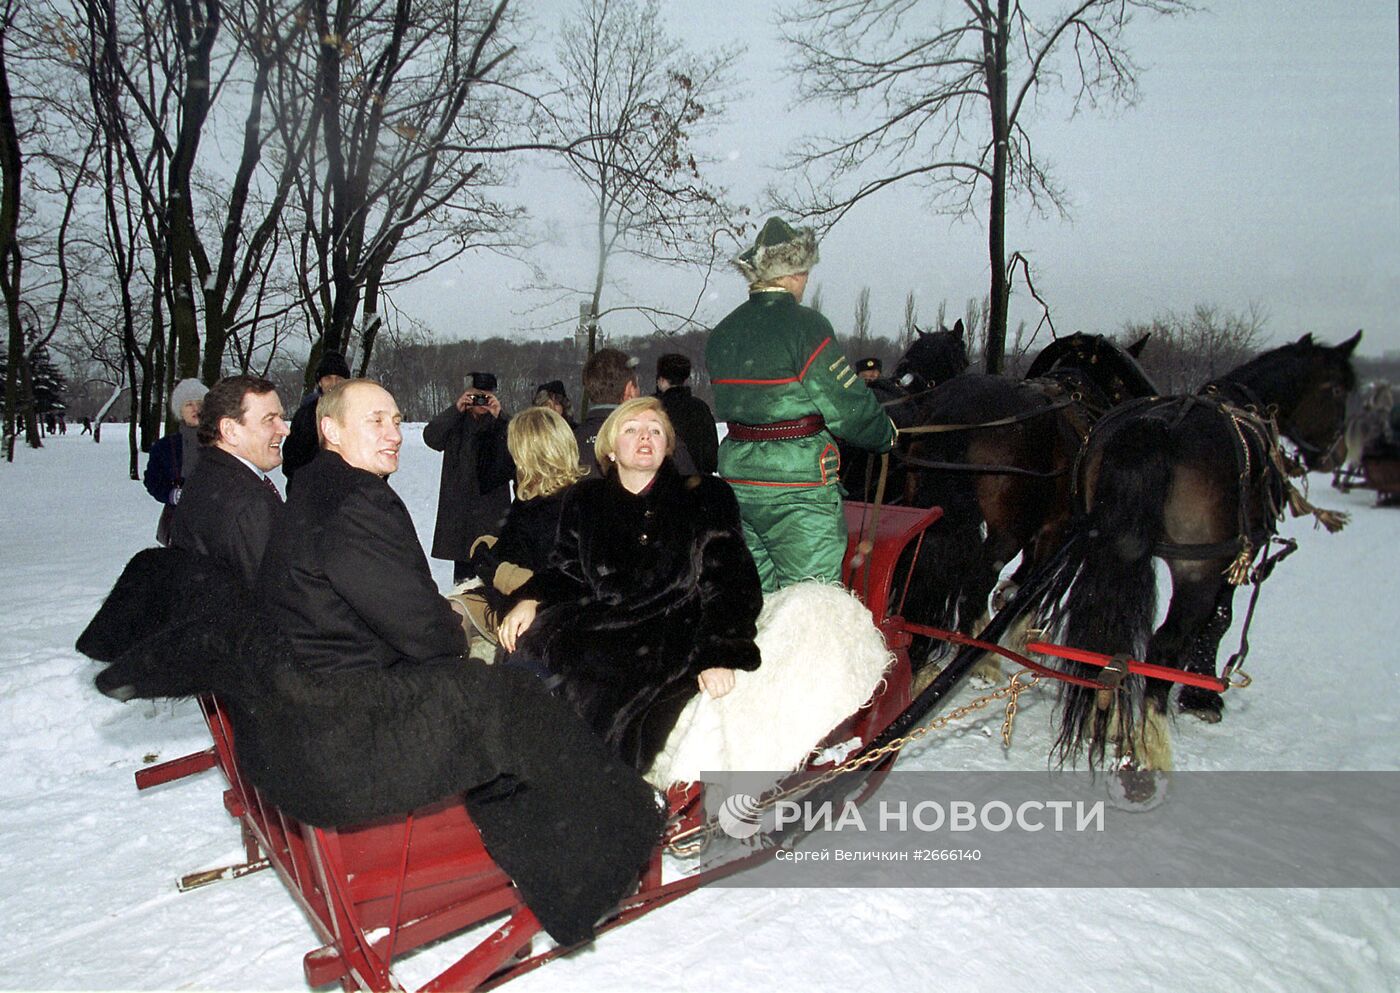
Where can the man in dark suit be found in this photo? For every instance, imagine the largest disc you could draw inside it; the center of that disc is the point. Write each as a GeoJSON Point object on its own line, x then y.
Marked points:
{"type": "Point", "coordinates": [228, 506]}
{"type": "Point", "coordinates": [344, 576]}
{"type": "Point", "coordinates": [690, 416]}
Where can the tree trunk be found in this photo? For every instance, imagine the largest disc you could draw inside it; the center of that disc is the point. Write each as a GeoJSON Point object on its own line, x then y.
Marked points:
{"type": "Point", "coordinates": [11, 262]}
{"type": "Point", "coordinates": [994, 51]}
{"type": "Point", "coordinates": [196, 42]}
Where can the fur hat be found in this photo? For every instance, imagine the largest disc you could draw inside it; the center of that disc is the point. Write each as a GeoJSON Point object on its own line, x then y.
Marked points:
{"type": "Point", "coordinates": [482, 381]}
{"type": "Point", "coordinates": [333, 364]}
{"type": "Point", "coordinates": [779, 250]}
{"type": "Point", "coordinates": [186, 390]}
{"type": "Point", "coordinates": [555, 386]}
{"type": "Point", "coordinates": [871, 363]}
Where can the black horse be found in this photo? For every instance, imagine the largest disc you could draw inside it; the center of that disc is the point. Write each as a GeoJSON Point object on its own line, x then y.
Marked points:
{"type": "Point", "coordinates": [995, 454]}
{"type": "Point", "coordinates": [933, 357]}
{"type": "Point", "coordinates": [1201, 482]}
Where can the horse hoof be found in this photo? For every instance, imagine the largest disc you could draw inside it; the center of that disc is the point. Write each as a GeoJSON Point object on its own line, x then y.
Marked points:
{"type": "Point", "coordinates": [1135, 788]}
{"type": "Point", "coordinates": [1204, 705]}
{"type": "Point", "coordinates": [985, 674]}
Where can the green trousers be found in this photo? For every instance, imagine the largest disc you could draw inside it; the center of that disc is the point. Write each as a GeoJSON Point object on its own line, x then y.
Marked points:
{"type": "Point", "coordinates": [793, 534]}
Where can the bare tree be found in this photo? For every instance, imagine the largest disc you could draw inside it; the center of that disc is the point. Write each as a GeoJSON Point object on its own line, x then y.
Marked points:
{"type": "Point", "coordinates": [945, 99]}
{"type": "Point", "coordinates": [911, 321]}
{"type": "Point", "coordinates": [1189, 350]}
{"type": "Point", "coordinates": [415, 110]}
{"type": "Point", "coordinates": [860, 323]}
{"type": "Point", "coordinates": [11, 260]}
{"type": "Point", "coordinates": [637, 98]}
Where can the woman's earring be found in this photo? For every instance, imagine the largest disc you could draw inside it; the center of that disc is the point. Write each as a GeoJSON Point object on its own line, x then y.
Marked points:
{"type": "Point", "coordinates": [612, 458]}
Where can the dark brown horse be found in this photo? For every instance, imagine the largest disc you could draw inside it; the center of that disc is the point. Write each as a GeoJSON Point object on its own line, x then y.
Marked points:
{"type": "Point", "coordinates": [933, 357]}
{"type": "Point", "coordinates": [1201, 482]}
{"type": "Point", "coordinates": [995, 454]}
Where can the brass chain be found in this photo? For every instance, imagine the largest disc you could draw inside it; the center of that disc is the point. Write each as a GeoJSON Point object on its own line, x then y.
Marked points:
{"type": "Point", "coordinates": [682, 845]}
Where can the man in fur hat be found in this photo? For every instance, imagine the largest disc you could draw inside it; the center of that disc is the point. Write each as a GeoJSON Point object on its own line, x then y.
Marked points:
{"type": "Point", "coordinates": [788, 394]}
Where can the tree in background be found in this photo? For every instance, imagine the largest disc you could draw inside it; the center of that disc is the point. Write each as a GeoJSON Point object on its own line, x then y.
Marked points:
{"type": "Point", "coordinates": [910, 323]}
{"type": "Point", "coordinates": [945, 96]}
{"type": "Point", "coordinates": [1186, 351]}
{"type": "Point", "coordinates": [860, 321]}
{"type": "Point", "coordinates": [628, 102]}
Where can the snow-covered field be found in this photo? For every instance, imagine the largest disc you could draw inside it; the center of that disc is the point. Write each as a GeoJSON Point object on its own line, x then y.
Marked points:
{"type": "Point", "coordinates": [88, 900]}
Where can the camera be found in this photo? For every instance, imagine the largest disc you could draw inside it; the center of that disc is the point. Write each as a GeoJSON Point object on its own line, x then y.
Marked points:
{"type": "Point", "coordinates": [478, 400]}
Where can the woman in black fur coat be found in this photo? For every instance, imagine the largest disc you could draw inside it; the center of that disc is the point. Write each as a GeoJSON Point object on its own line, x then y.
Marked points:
{"type": "Point", "coordinates": [651, 594]}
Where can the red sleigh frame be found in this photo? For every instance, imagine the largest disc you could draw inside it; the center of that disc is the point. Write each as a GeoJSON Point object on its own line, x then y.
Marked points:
{"type": "Point", "coordinates": [380, 890]}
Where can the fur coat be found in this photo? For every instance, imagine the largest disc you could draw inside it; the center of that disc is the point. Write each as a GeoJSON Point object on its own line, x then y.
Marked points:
{"type": "Point", "coordinates": [644, 591]}
{"type": "Point", "coordinates": [570, 824]}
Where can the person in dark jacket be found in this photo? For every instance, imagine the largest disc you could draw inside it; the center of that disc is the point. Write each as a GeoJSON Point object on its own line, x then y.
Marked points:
{"type": "Point", "coordinates": [651, 594]}
{"type": "Point", "coordinates": [174, 457]}
{"type": "Point", "coordinates": [610, 379]}
{"type": "Point", "coordinates": [546, 461]}
{"type": "Point", "coordinates": [692, 417]}
{"type": "Point", "coordinates": [303, 443]}
{"type": "Point", "coordinates": [474, 489]}
{"type": "Point", "coordinates": [344, 577]}
{"type": "Point", "coordinates": [553, 395]}
{"type": "Point", "coordinates": [229, 505]}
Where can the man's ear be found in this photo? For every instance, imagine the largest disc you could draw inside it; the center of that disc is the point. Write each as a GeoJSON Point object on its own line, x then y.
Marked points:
{"type": "Point", "coordinates": [227, 427]}
{"type": "Point", "coordinates": [330, 430]}
{"type": "Point", "coordinates": [631, 391]}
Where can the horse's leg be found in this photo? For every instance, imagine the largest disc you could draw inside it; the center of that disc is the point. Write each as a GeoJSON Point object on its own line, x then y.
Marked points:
{"type": "Point", "coordinates": [1201, 657]}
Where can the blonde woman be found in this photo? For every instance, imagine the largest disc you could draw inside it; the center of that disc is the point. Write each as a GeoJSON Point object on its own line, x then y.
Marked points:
{"type": "Point", "coordinates": [546, 464]}
{"type": "Point", "coordinates": [651, 594]}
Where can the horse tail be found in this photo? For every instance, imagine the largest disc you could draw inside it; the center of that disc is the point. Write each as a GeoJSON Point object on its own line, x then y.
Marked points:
{"type": "Point", "coordinates": [1105, 590]}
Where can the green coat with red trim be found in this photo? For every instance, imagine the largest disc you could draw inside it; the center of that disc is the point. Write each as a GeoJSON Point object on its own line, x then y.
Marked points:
{"type": "Point", "coordinates": [774, 360]}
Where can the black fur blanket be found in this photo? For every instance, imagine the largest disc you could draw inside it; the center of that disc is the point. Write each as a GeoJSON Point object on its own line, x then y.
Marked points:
{"type": "Point", "coordinates": [566, 820]}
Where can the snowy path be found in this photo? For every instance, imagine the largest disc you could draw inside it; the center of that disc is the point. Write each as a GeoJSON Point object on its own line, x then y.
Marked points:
{"type": "Point", "coordinates": [88, 864]}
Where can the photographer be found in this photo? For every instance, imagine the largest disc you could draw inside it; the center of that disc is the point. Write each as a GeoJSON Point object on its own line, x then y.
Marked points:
{"type": "Point", "coordinates": [476, 471]}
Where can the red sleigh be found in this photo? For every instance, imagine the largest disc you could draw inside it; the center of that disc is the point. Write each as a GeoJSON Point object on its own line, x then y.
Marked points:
{"type": "Point", "coordinates": [375, 892]}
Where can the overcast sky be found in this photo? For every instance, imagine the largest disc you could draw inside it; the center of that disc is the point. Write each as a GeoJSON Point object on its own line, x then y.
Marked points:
{"type": "Point", "coordinates": [1260, 167]}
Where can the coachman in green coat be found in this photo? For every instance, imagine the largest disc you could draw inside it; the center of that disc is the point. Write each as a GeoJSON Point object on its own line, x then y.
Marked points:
{"type": "Point", "coordinates": [787, 393]}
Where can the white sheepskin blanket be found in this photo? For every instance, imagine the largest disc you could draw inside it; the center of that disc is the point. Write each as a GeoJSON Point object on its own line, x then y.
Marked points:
{"type": "Point", "coordinates": [823, 658]}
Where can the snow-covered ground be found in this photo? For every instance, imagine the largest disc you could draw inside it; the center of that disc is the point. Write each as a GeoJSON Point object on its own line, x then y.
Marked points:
{"type": "Point", "coordinates": [88, 864]}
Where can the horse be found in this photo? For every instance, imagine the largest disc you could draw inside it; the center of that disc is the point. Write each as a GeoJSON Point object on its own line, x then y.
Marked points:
{"type": "Point", "coordinates": [1199, 481]}
{"type": "Point", "coordinates": [1367, 428]}
{"type": "Point", "coordinates": [932, 358]}
{"type": "Point", "coordinates": [994, 453]}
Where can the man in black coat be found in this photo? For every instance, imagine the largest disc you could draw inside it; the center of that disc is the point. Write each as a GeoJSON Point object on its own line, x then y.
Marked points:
{"type": "Point", "coordinates": [692, 418]}
{"type": "Point", "coordinates": [344, 576]}
{"type": "Point", "coordinates": [474, 490]}
{"type": "Point", "coordinates": [303, 443]}
{"type": "Point", "coordinates": [228, 507]}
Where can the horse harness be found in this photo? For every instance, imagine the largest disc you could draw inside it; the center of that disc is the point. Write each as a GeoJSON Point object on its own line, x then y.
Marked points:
{"type": "Point", "coordinates": [1056, 404]}
{"type": "Point", "coordinates": [1256, 443]}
